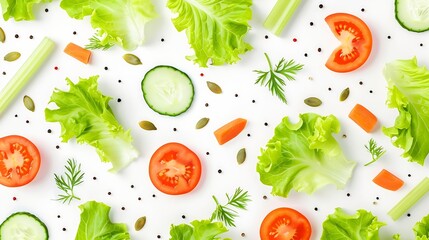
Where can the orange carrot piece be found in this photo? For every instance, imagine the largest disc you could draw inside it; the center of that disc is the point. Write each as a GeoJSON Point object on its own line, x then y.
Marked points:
{"type": "Point", "coordinates": [230, 130]}
{"type": "Point", "coordinates": [387, 180]}
{"type": "Point", "coordinates": [78, 52]}
{"type": "Point", "coordinates": [363, 117]}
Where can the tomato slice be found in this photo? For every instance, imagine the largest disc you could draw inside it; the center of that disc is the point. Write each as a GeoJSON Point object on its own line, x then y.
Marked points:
{"type": "Point", "coordinates": [285, 224]}
{"type": "Point", "coordinates": [356, 42]}
{"type": "Point", "coordinates": [174, 169]}
{"type": "Point", "coordinates": [19, 161]}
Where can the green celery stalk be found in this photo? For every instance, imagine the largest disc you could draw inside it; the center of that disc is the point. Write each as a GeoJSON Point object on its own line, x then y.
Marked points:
{"type": "Point", "coordinates": [280, 15]}
{"type": "Point", "coordinates": [410, 199]}
{"type": "Point", "coordinates": [27, 70]}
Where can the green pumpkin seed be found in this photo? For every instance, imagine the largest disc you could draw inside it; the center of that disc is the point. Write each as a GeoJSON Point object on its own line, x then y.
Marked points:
{"type": "Point", "coordinates": [202, 123]}
{"type": "Point", "coordinates": [132, 59]}
{"type": "Point", "coordinates": [214, 87]}
{"type": "Point", "coordinates": [344, 94]}
{"type": "Point", "coordinates": [146, 125]}
{"type": "Point", "coordinates": [313, 101]}
{"type": "Point", "coordinates": [12, 56]}
{"type": "Point", "coordinates": [140, 223]}
{"type": "Point", "coordinates": [29, 103]}
{"type": "Point", "coordinates": [2, 35]}
{"type": "Point", "coordinates": [241, 156]}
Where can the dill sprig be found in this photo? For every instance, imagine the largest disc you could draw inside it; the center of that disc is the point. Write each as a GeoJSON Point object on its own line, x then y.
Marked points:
{"type": "Point", "coordinates": [375, 150]}
{"type": "Point", "coordinates": [73, 177]}
{"type": "Point", "coordinates": [96, 43]}
{"type": "Point", "coordinates": [275, 78]}
{"type": "Point", "coordinates": [226, 213]}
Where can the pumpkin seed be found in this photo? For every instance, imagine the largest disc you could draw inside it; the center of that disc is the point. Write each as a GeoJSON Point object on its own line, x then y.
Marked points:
{"type": "Point", "coordinates": [313, 101]}
{"type": "Point", "coordinates": [241, 156]}
{"type": "Point", "coordinates": [344, 94]}
{"type": "Point", "coordinates": [12, 56]}
{"type": "Point", "coordinates": [140, 223]}
{"type": "Point", "coordinates": [132, 59]}
{"type": "Point", "coordinates": [29, 103]}
{"type": "Point", "coordinates": [214, 87]}
{"type": "Point", "coordinates": [146, 125]}
{"type": "Point", "coordinates": [202, 123]}
{"type": "Point", "coordinates": [2, 35]}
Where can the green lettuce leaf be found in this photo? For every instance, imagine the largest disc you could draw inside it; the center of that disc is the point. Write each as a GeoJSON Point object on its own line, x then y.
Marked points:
{"type": "Point", "coordinates": [118, 22]}
{"type": "Point", "coordinates": [215, 29]}
{"type": "Point", "coordinates": [84, 113]}
{"type": "Point", "coordinates": [304, 156]}
{"type": "Point", "coordinates": [408, 91]}
{"type": "Point", "coordinates": [360, 226]}
{"type": "Point", "coordinates": [19, 9]}
{"type": "Point", "coordinates": [95, 224]}
{"type": "Point", "coordinates": [421, 229]}
{"type": "Point", "coordinates": [198, 230]}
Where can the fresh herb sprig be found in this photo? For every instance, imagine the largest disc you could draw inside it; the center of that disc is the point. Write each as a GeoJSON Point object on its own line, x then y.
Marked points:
{"type": "Point", "coordinates": [226, 213]}
{"type": "Point", "coordinates": [96, 43]}
{"type": "Point", "coordinates": [375, 150]}
{"type": "Point", "coordinates": [72, 177]}
{"type": "Point", "coordinates": [275, 78]}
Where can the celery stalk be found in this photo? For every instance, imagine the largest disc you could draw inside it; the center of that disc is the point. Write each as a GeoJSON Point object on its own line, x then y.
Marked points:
{"type": "Point", "coordinates": [410, 199]}
{"type": "Point", "coordinates": [280, 15]}
{"type": "Point", "coordinates": [27, 70]}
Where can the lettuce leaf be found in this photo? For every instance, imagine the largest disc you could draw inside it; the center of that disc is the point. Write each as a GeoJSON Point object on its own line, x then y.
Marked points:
{"type": "Point", "coordinates": [304, 156]}
{"type": "Point", "coordinates": [198, 230]}
{"type": "Point", "coordinates": [118, 22]}
{"type": "Point", "coordinates": [19, 9]}
{"type": "Point", "coordinates": [95, 224]}
{"type": "Point", "coordinates": [215, 29]}
{"type": "Point", "coordinates": [360, 226]}
{"type": "Point", "coordinates": [408, 91]}
{"type": "Point", "coordinates": [84, 113]}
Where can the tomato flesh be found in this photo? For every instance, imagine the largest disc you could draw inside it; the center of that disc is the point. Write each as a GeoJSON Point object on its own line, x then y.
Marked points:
{"type": "Point", "coordinates": [174, 169]}
{"type": "Point", "coordinates": [356, 42]}
{"type": "Point", "coordinates": [19, 161]}
{"type": "Point", "coordinates": [285, 224]}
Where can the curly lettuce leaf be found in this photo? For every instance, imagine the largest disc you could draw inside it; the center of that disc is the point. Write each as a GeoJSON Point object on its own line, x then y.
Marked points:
{"type": "Point", "coordinates": [198, 230]}
{"type": "Point", "coordinates": [95, 224]}
{"type": "Point", "coordinates": [408, 91]}
{"type": "Point", "coordinates": [215, 29]}
{"type": "Point", "coordinates": [84, 113]}
{"type": "Point", "coordinates": [304, 156]}
{"type": "Point", "coordinates": [19, 9]}
{"type": "Point", "coordinates": [118, 22]}
{"type": "Point", "coordinates": [360, 226]}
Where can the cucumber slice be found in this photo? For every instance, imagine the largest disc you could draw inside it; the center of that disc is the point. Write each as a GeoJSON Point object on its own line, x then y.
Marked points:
{"type": "Point", "coordinates": [167, 90]}
{"type": "Point", "coordinates": [23, 226]}
{"type": "Point", "coordinates": [413, 15]}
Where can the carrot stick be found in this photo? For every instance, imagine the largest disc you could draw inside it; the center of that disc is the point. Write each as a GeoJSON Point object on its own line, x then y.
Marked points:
{"type": "Point", "coordinates": [78, 52]}
{"type": "Point", "coordinates": [363, 117]}
{"type": "Point", "coordinates": [230, 130]}
{"type": "Point", "coordinates": [387, 180]}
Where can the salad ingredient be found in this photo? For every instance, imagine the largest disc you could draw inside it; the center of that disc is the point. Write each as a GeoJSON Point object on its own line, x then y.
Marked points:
{"type": "Point", "coordinates": [174, 169]}
{"type": "Point", "coordinates": [202, 123]}
{"type": "Point", "coordinates": [215, 30]}
{"type": "Point", "coordinates": [388, 180]}
{"type": "Point", "coordinates": [313, 101]}
{"type": "Point", "coordinates": [132, 59]}
{"type": "Point", "coordinates": [147, 125]}
{"type": "Point", "coordinates": [241, 156]}
{"type": "Point", "coordinates": [375, 151]}
{"type": "Point", "coordinates": [363, 118]}
{"type": "Point", "coordinates": [19, 161]}
{"type": "Point", "coordinates": [23, 225]}
{"type": "Point", "coordinates": [25, 72]}
{"type": "Point", "coordinates": [95, 223]}
{"type": "Point", "coordinates": [19, 10]}
{"type": "Point", "coordinates": [280, 15]}
{"type": "Point", "coordinates": [410, 199]}
{"type": "Point", "coordinates": [274, 78]}
{"type": "Point", "coordinates": [285, 223]}
{"type": "Point", "coordinates": [28, 103]}
{"type": "Point", "coordinates": [214, 87]}
{"type": "Point", "coordinates": [360, 226]}
{"type": "Point", "coordinates": [230, 130]}
{"type": "Point", "coordinates": [412, 15]}
{"type": "Point", "coordinates": [84, 113]}
{"type": "Point", "coordinates": [304, 156]}
{"type": "Point", "coordinates": [2, 35]}
{"type": "Point", "coordinates": [167, 90]}
{"type": "Point", "coordinates": [226, 213]}
{"type": "Point", "coordinates": [78, 52]}
{"type": "Point", "coordinates": [73, 177]}
{"type": "Point", "coordinates": [356, 42]}
{"type": "Point", "coordinates": [344, 94]}
{"type": "Point", "coordinates": [12, 56]}
{"type": "Point", "coordinates": [408, 91]}
{"type": "Point", "coordinates": [118, 22]}
{"type": "Point", "coordinates": [141, 221]}
{"type": "Point", "coordinates": [198, 229]}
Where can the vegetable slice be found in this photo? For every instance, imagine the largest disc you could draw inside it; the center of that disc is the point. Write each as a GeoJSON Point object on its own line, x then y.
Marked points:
{"type": "Point", "coordinates": [23, 225]}
{"type": "Point", "coordinates": [280, 15]}
{"type": "Point", "coordinates": [77, 52]}
{"type": "Point", "coordinates": [285, 223]}
{"type": "Point", "coordinates": [363, 117]}
{"type": "Point", "coordinates": [230, 130]}
{"type": "Point", "coordinates": [388, 180]}
{"type": "Point", "coordinates": [412, 15]}
{"type": "Point", "coordinates": [19, 9]}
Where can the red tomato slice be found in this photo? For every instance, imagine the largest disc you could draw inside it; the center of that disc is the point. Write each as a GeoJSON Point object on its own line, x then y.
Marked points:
{"type": "Point", "coordinates": [174, 169]}
{"type": "Point", "coordinates": [356, 42]}
{"type": "Point", "coordinates": [285, 224]}
{"type": "Point", "coordinates": [19, 161]}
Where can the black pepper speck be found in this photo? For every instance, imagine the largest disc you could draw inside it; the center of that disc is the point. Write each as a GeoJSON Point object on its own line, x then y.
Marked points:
{"type": "Point", "coordinates": [119, 100]}
{"type": "Point", "coordinates": [363, 10]}
{"type": "Point", "coordinates": [175, 129]}
{"type": "Point", "coordinates": [370, 91]}
{"type": "Point", "coordinates": [153, 195]}
{"type": "Point", "coordinates": [64, 229]}
{"type": "Point", "coordinates": [46, 10]}
{"type": "Point", "coordinates": [348, 194]}
{"type": "Point", "coordinates": [265, 124]}
{"type": "Point", "coordinates": [74, 32]}
{"type": "Point", "coordinates": [344, 136]}
{"type": "Point", "coordinates": [266, 36]}
{"type": "Point", "coordinates": [329, 89]}
{"type": "Point", "coordinates": [16, 36]}
{"type": "Point", "coordinates": [119, 81]}
{"type": "Point", "coordinates": [58, 216]}
{"type": "Point", "coordinates": [305, 55]}
{"type": "Point", "coordinates": [248, 134]}
{"type": "Point", "coordinates": [236, 95]}
{"type": "Point", "coordinates": [219, 171]}
{"type": "Point", "coordinates": [139, 198]}
{"type": "Point", "coordinates": [16, 115]}
{"type": "Point", "coordinates": [132, 186]}
{"type": "Point", "coordinates": [207, 153]}
{"type": "Point", "coordinates": [183, 216]}
{"type": "Point", "coordinates": [206, 104]}
{"type": "Point", "coordinates": [4, 73]}
{"type": "Point", "coordinates": [319, 49]}
{"type": "Point", "coordinates": [320, 5]}
{"type": "Point", "coordinates": [94, 178]}
{"type": "Point", "coordinates": [109, 193]}
{"type": "Point", "coordinates": [408, 214]}
{"type": "Point", "coordinates": [311, 23]}
{"type": "Point", "coordinates": [158, 236]}
{"type": "Point", "coordinates": [122, 208]}
{"type": "Point", "coordinates": [377, 198]}
{"type": "Point", "coordinates": [316, 209]}
{"type": "Point", "coordinates": [162, 40]}
{"type": "Point", "coordinates": [360, 83]}
{"type": "Point", "coordinates": [106, 68]}
{"type": "Point", "coordinates": [421, 44]}
{"type": "Point", "coordinates": [243, 234]}
{"type": "Point", "coordinates": [49, 131]}
{"type": "Point", "coordinates": [264, 197]}
{"type": "Point", "coordinates": [31, 37]}
{"type": "Point", "coordinates": [57, 147]}
{"type": "Point", "coordinates": [389, 37]}
{"type": "Point", "coordinates": [253, 101]}
{"type": "Point", "coordinates": [26, 121]}
{"type": "Point", "coordinates": [409, 175]}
